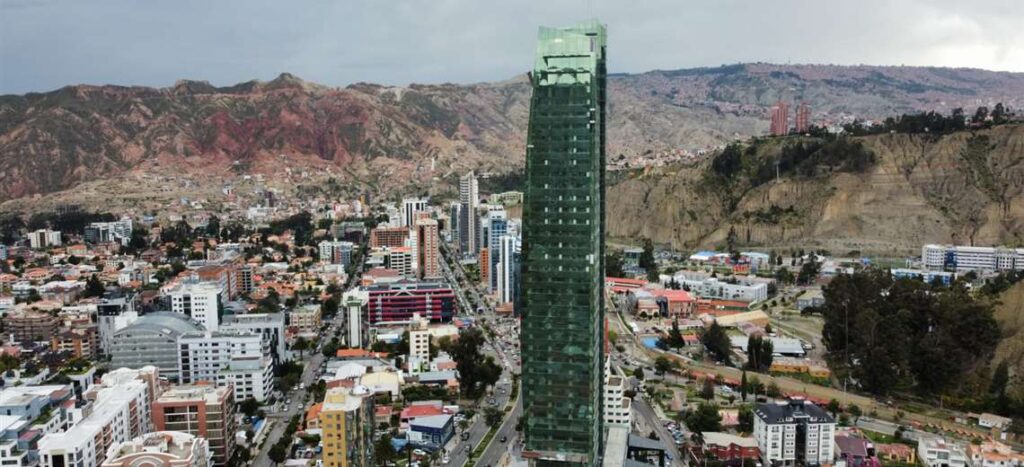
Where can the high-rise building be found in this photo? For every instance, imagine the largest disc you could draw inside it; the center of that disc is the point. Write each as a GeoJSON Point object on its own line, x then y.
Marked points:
{"type": "Point", "coordinates": [391, 237]}
{"type": "Point", "coordinates": [780, 119]}
{"type": "Point", "coordinates": [200, 410]}
{"type": "Point", "coordinates": [507, 269]}
{"type": "Point", "coordinates": [268, 325]}
{"type": "Point", "coordinates": [112, 315]}
{"type": "Point", "coordinates": [336, 252]}
{"type": "Point", "coordinates": [238, 359]}
{"type": "Point", "coordinates": [563, 248]}
{"type": "Point", "coordinates": [454, 214]}
{"type": "Point", "coordinates": [346, 427]}
{"type": "Point", "coordinates": [803, 118]}
{"type": "Point", "coordinates": [354, 302]}
{"type": "Point", "coordinates": [411, 206]}
{"type": "Point", "coordinates": [427, 249]}
{"type": "Point", "coordinates": [469, 197]}
{"type": "Point", "coordinates": [44, 238]}
{"type": "Point", "coordinates": [497, 226]}
{"type": "Point", "coordinates": [200, 301]}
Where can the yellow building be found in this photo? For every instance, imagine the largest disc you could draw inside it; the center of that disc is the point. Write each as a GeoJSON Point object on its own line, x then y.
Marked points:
{"type": "Point", "coordinates": [346, 424]}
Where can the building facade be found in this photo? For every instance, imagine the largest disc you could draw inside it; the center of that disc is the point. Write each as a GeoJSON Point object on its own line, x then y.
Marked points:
{"type": "Point", "coordinates": [469, 197]}
{"type": "Point", "coordinates": [428, 253]}
{"type": "Point", "coordinates": [562, 303]}
{"type": "Point", "coordinates": [240, 360]}
{"type": "Point", "coordinates": [200, 301]}
{"type": "Point", "coordinates": [200, 410]}
{"type": "Point", "coordinates": [793, 432]}
{"type": "Point", "coordinates": [962, 259]}
{"type": "Point", "coordinates": [780, 119]}
{"type": "Point", "coordinates": [346, 427]}
{"type": "Point", "coordinates": [399, 301]}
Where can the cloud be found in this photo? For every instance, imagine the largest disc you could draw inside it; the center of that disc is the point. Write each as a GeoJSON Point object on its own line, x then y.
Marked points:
{"type": "Point", "coordinates": [52, 43]}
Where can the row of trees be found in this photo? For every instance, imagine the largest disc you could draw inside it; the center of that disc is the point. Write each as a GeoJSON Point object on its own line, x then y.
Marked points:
{"type": "Point", "coordinates": [893, 334]}
{"type": "Point", "coordinates": [934, 122]}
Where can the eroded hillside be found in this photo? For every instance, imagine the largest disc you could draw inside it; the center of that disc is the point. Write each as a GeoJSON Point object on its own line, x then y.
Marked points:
{"type": "Point", "coordinates": [965, 187]}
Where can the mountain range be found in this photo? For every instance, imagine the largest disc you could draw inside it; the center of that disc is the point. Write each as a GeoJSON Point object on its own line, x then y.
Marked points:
{"type": "Point", "coordinates": [394, 139]}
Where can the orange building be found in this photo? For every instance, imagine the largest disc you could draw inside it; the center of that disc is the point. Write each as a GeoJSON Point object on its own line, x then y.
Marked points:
{"type": "Point", "coordinates": [392, 237]}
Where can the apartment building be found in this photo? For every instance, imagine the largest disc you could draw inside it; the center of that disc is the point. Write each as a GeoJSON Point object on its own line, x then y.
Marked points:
{"type": "Point", "coordinates": [793, 432]}
{"type": "Point", "coordinates": [401, 259]}
{"type": "Point", "coordinates": [428, 254]}
{"type": "Point", "coordinates": [347, 426]}
{"type": "Point", "coordinates": [30, 326]}
{"type": "Point", "coordinates": [392, 237]}
{"type": "Point", "coordinates": [161, 449]}
{"type": "Point", "coordinates": [469, 198]}
{"type": "Point", "coordinates": [617, 407]}
{"type": "Point", "coordinates": [354, 302]}
{"type": "Point", "coordinates": [410, 207]}
{"type": "Point", "coordinates": [336, 252]}
{"type": "Point", "coordinates": [119, 231]}
{"type": "Point", "coordinates": [200, 301]}
{"type": "Point", "coordinates": [44, 238]}
{"type": "Point", "coordinates": [305, 318]}
{"type": "Point", "coordinates": [268, 325]}
{"type": "Point", "coordinates": [200, 410]}
{"type": "Point", "coordinates": [241, 360]}
{"type": "Point", "coordinates": [506, 270]}
{"type": "Point", "coordinates": [112, 315]}
{"type": "Point", "coordinates": [120, 411]}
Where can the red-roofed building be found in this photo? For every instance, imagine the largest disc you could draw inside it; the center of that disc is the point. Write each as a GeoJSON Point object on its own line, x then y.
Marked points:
{"type": "Point", "coordinates": [680, 302]}
{"type": "Point", "coordinates": [382, 414]}
{"type": "Point", "coordinates": [313, 416]}
{"type": "Point", "coordinates": [622, 284]}
{"type": "Point", "coordinates": [415, 411]}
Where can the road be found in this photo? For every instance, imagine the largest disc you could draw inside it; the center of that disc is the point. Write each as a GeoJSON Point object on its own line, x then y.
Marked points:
{"type": "Point", "coordinates": [643, 409]}
{"type": "Point", "coordinates": [312, 360]}
{"type": "Point", "coordinates": [472, 303]}
{"type": "Point", "coordinates": [507, 430]}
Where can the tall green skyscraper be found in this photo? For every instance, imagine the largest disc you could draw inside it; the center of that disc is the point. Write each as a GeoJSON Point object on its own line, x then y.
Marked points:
{"type": "Point", "coordinates": [562, 269]}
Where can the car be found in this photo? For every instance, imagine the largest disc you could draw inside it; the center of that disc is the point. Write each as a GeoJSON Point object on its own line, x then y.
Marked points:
{"type": "Point", "coordinates": [503, 439]}
{"type": "Point", "coordinates": [419, 452]}
{"type": "Point", "coordinates": [287, 402]}
{"type": "Point", "coordinates": [445, 460]}
{"type": "Point", "coordinates": [464, 435]}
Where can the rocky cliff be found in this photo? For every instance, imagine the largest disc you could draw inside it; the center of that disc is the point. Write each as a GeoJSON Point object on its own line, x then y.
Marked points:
{"type": "Point", "coordinates": [966, 187]}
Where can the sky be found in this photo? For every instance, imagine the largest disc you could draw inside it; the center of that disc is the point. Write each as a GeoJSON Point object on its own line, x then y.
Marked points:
{"type": "Point", "coordinates": [47, 44]}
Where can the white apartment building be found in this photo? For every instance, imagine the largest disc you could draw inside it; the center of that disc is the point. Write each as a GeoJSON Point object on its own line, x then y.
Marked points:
{"type": "Point", "coordinates": [402, 260]}
{"type": "Point", "coordinates": [506, 270]}
{"type": "Point", "coordinates": [269, 325]}
{"type": "Point", "coordinates": [336, 252]}
{"type": "Point", "coordinates": [936, 452]}
{"type": "Point", "coordinates": [120, 412]}
{"type": "Point", "coordinates": [241, 359]}
{"type": "Point", "coordinates": [197, 300]}
{"type": "Point", "coordinates": [44, 238]}
{"type": "Point", "coordinates": [411, 206]}
{"type": "Point", "coordinates": [714, 288]}
{"type": "Point", "coordinates": [962, 259]}
{"type": "Point", "coordinates": [794, 432]}
{"type": "Point", "coordinates": [618, 409]}
{"type": "Point", "coordinates": [354, 300]}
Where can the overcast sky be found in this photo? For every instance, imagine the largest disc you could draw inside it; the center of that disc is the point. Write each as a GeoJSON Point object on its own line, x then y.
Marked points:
{"type": "Point", "coordinates": [46, 44]}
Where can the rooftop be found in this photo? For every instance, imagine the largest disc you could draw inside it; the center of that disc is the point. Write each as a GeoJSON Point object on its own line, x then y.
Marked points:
{"type": "Point", "coordinates": [194, 392]}
{"type": "Point", "coordinates": [791, 411]}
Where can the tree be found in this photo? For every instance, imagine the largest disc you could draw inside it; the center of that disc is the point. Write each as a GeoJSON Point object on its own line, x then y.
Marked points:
{"type": "Point", "coordinates": [675, 337]}
{"type": "Point", "coordinates": [704, 419]}
{"type": "Point", "coordinates": [300, 344]}
{"type": "Point", "coordinates": [717, 342]}
{"type": "Point", "coordinates": [833, 407]}
{"type": "Point", "coordinates": [613, 265]}
{"type": "Point", "coordinates": [759, 353]}
{"type": "Point", "coordinates": [493, 416]}
{"type": "Point", "coordinates": [743, 386]}
{"type": "Point", "coordinates": [638, 373]}
{"type": "Point", "coordinates": [773, 390]}
{"type": "Point", "coordinates": [330, 349]}
{"type": "Point", "coordinates": [809, 271]}
{"type": "Point", "coordinates": [475, 371]}
{"type": "Point", "coordinates": [768, 328]}
{"type": "Point", "coordinates": [855, 412]}
{"type": "Point", "coordinates": [730, 241]}
{"type": "Point", "coordinates": [93, 287]}
{"type": "Point", "coordinates": [746, 419]}
{"type": "Point", "coordinates": [662, 365]}
{"type": "Point", "coordinates": [278, 453]}
{"type": "Point", "coordinates": [249, 407]}
{"type": "Point", "coordinates": [708, 390]}
{"type": "Point", "coordinates": [647, 261]}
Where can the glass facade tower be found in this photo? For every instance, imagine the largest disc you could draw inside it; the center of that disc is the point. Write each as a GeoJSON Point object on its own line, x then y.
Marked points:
{"type": "Point", "coordinates": [562, 269]}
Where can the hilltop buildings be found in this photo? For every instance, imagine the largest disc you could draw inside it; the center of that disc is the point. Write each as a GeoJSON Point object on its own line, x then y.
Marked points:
{"type": "Point", "coordinates": [563, 247]}
{"type": "Point", "coordinates": [962, 259]}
